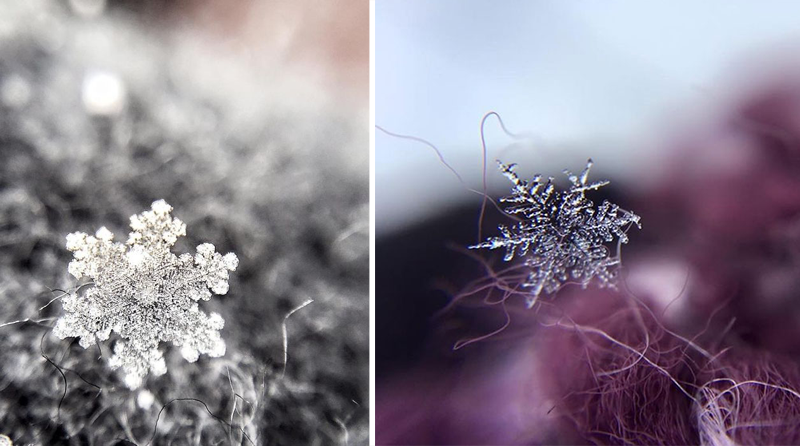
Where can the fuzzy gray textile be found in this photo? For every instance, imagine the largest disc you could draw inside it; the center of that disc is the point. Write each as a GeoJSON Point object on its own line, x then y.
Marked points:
{"type": "Point", "coordinates": [100, 117]}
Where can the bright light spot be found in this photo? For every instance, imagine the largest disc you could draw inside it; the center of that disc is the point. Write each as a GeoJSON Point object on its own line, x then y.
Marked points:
{"type": "Point", "coordinates": [103, 93]}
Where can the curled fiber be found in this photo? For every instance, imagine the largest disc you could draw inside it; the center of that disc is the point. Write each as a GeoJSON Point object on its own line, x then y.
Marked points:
{"type": "Point", "coordinates": [618, 375]}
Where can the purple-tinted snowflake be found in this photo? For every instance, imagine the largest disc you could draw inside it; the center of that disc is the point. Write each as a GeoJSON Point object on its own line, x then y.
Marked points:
{"type": "Point", "coordinates": [560, 236]}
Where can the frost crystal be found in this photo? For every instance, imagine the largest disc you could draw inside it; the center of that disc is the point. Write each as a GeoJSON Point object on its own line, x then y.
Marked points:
{"type": "Point", "coordinates": [559, 234]}
{"type": "Point", "coordinates": [145, 293]}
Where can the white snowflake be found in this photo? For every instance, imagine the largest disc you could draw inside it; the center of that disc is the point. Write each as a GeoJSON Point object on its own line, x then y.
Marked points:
{"type": "Point", "coordinates": [559, 234]}
{"type": "Point", "coordinates": [145, 293]}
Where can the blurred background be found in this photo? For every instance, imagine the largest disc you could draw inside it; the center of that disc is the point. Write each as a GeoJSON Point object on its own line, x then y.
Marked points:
{"type": "Point", "coordinates": [691, 110]}
{"type": "Point", "coordinates": [224, 110]}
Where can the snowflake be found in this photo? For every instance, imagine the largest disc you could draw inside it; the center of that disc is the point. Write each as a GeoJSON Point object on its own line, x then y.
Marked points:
{"type": "Point", "coordinates": [559, 234]}
{"type": "Point", "coordinates": [145, 294]}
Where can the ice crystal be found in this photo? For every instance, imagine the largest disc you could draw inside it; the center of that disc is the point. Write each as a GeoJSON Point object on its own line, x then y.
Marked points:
{"type": "Point", "coordinates": [560, 235]}
{"type": "Point", "coordinates": [145, 294]}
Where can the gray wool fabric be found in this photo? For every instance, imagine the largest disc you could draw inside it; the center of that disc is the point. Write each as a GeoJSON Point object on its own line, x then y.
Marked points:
{"type": "Point", "coordinates": [102, 116]}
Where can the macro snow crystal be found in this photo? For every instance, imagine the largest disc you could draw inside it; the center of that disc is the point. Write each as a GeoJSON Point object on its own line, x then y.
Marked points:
{"type": "Point", "coordinates": [559, 234]}
{"type": "Point", "coordinates": [145, 294]}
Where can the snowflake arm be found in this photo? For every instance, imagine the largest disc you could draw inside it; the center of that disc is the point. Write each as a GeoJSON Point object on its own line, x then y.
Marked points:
{"type": "Point", "coordinates": [145, 294]}
{"type": "Point", "coordinates": [560, 235]}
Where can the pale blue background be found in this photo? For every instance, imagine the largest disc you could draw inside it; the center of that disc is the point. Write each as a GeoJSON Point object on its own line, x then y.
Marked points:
{"type": "Point", "coordinates": [583, 77]}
